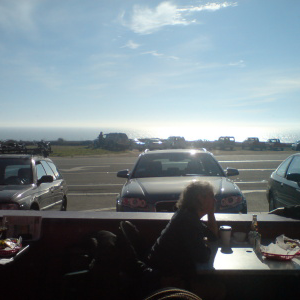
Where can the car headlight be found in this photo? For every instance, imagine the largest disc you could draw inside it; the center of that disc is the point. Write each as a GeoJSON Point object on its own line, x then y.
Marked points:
{"type": "Point", "coordinates": [230, 201]}
{"type": "Point", "coordinates": [9, 206]}
{"type": "Point", "coordinates": [134, 202]}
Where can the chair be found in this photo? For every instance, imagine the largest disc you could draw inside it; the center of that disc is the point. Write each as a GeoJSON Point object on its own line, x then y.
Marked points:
{"type": "Point", "coordinates": [92, 268]}
{"type": "Point", "coordinates": [134, 238]}
{"type": "Point", "coordinates": [172, 293]}
{"type": "Point", "coordinates": [137, 279]}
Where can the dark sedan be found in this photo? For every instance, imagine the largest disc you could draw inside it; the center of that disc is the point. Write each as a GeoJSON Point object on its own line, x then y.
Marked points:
{"type": "Point", "coordinates": [31, 182]}
{"type": "Point", "coordinates": [284, 184]}
{"type": "Point", "coordinates": [159, 177]}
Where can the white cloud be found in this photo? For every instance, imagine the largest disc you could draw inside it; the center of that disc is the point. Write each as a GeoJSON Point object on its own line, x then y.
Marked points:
{"type": "Point", "coordinates": [131, 45]}
{"type": "Point", "coordinates": [145, 20]}
{"type": "Point", "coordinates": [155, 53]}
{"type": "Point", "coordinates": [208, 6]}
{"type": "Point", "coordinates": [239, 63]}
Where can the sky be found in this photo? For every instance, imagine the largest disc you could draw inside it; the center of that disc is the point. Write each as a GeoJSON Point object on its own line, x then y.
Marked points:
{"type": "Point", "coordinates": [188, 65]}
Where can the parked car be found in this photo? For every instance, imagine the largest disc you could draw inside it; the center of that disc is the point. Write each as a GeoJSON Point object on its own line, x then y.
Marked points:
{"type": "Point", "coordinates": [274, 144]}
{"type": "Point", "coordinates": [138, 144]}
{"type": "Point", "coordinates": [284, 184]}
{"type": "Point", "coordinates": [159, 177]}
{"type": "Point", "coordinates": [253, 143]}
{"type": "Point", "coordinates": [116, 141]}
{"type": "Point", "coordinates": [176, 142]}
{"type": "Point", "coordinates": [296, 146]}
{"type": "Point", "coordinates": [154, 144]}
{"type": "Point", "coordinates": [225, 142]}
{"type": "Point", "coordinates": [31, 182]}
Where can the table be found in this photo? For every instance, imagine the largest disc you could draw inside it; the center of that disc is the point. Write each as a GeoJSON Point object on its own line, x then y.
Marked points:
{"type": "Point", "coordinates": [245, 260]}
{"type": "Point", "coordinates": [247, 275]}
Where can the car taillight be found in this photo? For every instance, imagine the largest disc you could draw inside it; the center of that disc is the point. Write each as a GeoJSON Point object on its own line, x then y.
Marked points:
{"type": "Point", "coordinates": [134, 202]}
{"type": "Point", "coordinates": [230, 201]}
{"type": "Point", "coordinates": [9, 206]}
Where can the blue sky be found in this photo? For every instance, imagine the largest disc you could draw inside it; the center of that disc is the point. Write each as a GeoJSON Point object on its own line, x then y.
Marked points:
{"type": "Point", "coordinates": [146, 64]}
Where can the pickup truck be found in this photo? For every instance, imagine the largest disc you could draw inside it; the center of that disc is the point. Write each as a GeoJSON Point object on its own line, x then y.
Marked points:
{"type": "Point", "coordinates": [225, 142]}
{"type": "Point", "coordinates": [253, 143]}
{"type": "Point", "coordinates": [274, 144]}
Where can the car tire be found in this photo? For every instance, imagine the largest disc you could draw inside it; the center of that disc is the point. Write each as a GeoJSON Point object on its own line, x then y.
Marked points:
{"type": "Point", "coordinates": [272, 203]}
{"type": "Point", "coordinates": [64, 204]}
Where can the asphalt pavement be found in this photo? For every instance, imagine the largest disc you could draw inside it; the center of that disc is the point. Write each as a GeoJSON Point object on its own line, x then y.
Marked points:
{"type": "Point", "coordinates": [93, 184]}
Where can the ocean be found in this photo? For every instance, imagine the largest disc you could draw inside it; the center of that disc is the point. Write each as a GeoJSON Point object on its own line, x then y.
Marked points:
{"type": "Point", "coordinates": [190, 134]}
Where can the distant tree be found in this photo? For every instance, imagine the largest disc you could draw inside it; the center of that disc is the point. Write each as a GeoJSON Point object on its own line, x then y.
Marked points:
{"type": "Point", "coordinates": [60, 141]}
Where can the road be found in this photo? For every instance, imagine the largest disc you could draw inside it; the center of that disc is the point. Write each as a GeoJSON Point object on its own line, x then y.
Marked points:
{"type": "Point", "coordinates": [93, 185]}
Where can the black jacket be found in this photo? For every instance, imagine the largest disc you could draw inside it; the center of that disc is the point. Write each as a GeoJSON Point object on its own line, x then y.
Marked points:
{"type": "Point", "coordinates": [181, 245]}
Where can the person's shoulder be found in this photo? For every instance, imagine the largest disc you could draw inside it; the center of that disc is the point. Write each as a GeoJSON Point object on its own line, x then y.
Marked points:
{"type": "Point", "coordinates": [185, 215]}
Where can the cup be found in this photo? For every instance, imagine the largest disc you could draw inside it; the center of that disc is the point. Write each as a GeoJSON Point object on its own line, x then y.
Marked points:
{"type": "Point", "coordinates": [225, 234]}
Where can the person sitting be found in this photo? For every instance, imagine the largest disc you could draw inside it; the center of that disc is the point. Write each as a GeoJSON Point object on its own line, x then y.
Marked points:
{"type": "Point", "coordinates": [183, 243]}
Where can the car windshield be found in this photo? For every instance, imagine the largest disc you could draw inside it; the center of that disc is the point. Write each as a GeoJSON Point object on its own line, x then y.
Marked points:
{"type": "Point", "coordinates": [15, 171]}
{"type": "Point", "coordinates": [176, 164]}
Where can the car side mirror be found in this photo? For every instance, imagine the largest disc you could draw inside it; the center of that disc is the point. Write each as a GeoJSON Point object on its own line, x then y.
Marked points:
{"type": "Point", "coordinates": [293, 177]}
{"type": "Point", "coordinates": [232, 172]}
{"type": "Point", "coordinates": [45, 179]}
{"type": "Point", "coordinates": [123, 174]}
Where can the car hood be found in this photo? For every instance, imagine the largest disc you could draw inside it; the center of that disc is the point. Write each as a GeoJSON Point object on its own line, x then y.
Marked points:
{"type": "Point", "coordinates": [12, 192]}
{"type": "Point", "coordinates": [169, 188]}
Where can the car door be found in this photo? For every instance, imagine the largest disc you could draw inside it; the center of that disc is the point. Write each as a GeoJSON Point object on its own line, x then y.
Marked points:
{"type": "Point", "coordinates": [291, 188]}
{"type": "Point", "coordinates": [56, 187]}
{"type": "Point", "coordinates": [45, 195]}
{"type": "Point", "coordinates": [278, 183]}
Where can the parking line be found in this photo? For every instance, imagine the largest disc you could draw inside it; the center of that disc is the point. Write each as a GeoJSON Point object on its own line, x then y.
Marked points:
{"type": "Point", "coordinates": [93, 194]}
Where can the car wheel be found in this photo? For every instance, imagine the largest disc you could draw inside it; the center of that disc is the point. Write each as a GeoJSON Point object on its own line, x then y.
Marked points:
{"type": "Point", "coordinates": [64, 204]}
{"type": "Point", "coordinates": [272, 203]}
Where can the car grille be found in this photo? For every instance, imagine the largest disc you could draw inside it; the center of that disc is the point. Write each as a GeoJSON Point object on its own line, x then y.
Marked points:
{"type": "Point", "coordinates": [165, 206]}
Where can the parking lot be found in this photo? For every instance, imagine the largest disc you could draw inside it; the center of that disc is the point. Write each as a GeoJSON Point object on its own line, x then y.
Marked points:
{"type": "Point", "coordinates": [93, 184]}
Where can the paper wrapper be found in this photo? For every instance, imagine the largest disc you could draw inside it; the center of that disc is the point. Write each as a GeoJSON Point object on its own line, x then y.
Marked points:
{"type": "Point", "coordinates": [284, 248]}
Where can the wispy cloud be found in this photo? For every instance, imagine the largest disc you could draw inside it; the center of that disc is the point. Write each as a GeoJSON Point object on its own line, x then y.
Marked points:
{"type": "Point", "coordinates": [131, 45]}
{"type": "Point", "coordinates": [239, 63]}
{"type": "Point", "coordinates": [145, 20]}
{"type": "Point", "coordinates": [155, 53]}
{"type": "Point", "coordinates": [17, 15]}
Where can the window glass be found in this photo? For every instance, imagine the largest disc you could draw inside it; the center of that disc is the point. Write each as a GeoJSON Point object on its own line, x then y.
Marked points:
{"type": "Point", "coordinates": [282, 168]}
{"type": "Point", "coordinates": [295, 166]}
{"type": "Point", "coordinates": [48, 169]}
{"type": "Point", "coordinates": [40, 171]}
{"type": "Point", "coordinates": [176, 164]}
{"type": "Point", "coordinates": [55, 170]}
{"type": "Point", "coordinates": [15, 171]}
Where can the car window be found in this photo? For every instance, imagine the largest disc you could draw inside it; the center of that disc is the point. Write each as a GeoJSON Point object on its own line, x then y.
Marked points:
{"type": "Point", "coordinates": [281, 171]}
{"type": "Point", "coordinates": [40, 171]}
{"type": "Point", "coordinates": [48, 169]}
{"type": "Point", "coordinates": [15, 171]}
{"type": "Point", "coordinates": [55, 170]}
{"type": "Point", "coordinates": [176, 164]}
{"type": "Point", "coordinates": [294, 166]}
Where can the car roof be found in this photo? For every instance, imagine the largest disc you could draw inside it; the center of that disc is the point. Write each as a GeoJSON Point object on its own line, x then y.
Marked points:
{"type": "Point", "coordinates": [22, 156]}
{"type": "Point", "coordinates": [149, 152]}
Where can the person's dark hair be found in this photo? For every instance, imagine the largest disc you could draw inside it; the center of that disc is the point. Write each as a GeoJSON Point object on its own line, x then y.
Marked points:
{"type": "Point", "coordinates": [189, 197]}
